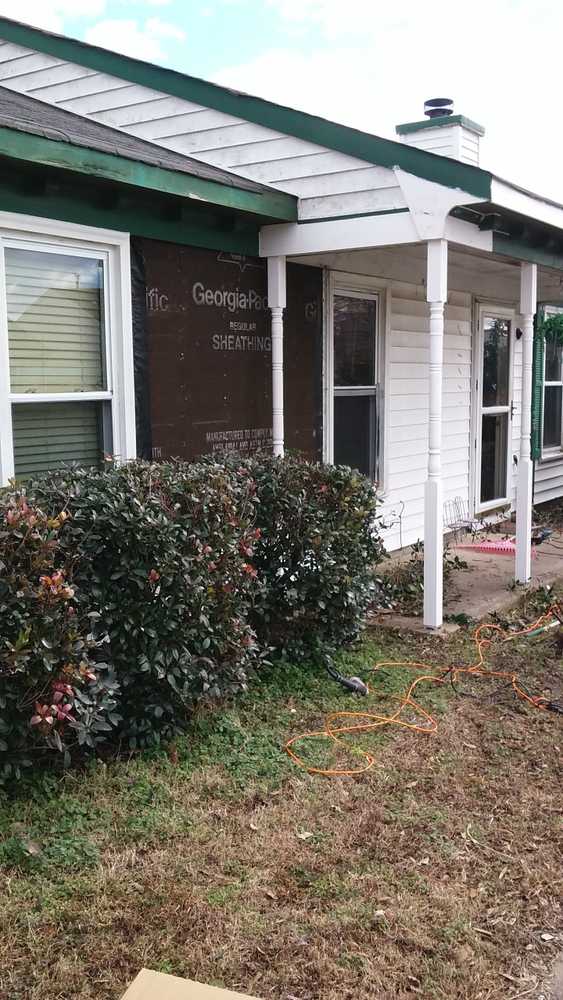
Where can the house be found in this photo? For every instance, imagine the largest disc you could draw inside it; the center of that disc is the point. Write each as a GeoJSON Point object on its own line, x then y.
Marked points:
{"type": "Point", "coordinates": [368, 301]}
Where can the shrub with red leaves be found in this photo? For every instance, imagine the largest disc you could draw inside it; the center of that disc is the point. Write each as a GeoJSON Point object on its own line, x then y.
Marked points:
{"type": "Point", "coordinates": [57, 697]}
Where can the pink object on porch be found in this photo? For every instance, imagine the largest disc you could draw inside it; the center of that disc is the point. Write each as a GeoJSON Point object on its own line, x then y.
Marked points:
{"type": "Point", "coordinates": [504, 547]}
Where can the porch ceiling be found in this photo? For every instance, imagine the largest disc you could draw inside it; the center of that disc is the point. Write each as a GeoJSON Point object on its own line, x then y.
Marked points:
{"type": "Point", "coordinates": [482, 273]}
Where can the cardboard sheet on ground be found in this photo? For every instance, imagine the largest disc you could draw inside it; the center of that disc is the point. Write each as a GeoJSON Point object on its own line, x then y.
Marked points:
{"type": "Point", "coordinates": [151, 985]}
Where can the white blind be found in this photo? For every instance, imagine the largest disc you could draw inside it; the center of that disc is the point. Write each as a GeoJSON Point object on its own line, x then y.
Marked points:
{"type": "Point", "coordinates": [50, 435]}
{"type": "Point", "coordinates": [55, 322]}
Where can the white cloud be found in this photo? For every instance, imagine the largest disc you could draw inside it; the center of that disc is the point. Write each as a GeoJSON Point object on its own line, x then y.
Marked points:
{"type": "Point", "coordinates": [142, 41]}
{"type": "Point", "coordinates": [50, 15]}
{"type": "Point", "coordinates": [374, 68]}
{"type": "Point", "coordinates": [163, 29]}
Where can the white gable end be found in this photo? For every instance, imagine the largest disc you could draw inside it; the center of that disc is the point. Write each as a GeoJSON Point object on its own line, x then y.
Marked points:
{"type": "Point", "coordinates": [328, 183]}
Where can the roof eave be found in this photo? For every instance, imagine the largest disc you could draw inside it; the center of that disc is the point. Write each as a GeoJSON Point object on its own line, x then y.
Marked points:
{"type": "Point", "coordinates": [311, 128]}
{"type": "Point", "coordinates": [268, 205]}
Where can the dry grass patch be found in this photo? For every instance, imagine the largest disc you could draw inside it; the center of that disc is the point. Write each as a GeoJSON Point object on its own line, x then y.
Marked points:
{"type": "Point", "coordinates": [438, 874]}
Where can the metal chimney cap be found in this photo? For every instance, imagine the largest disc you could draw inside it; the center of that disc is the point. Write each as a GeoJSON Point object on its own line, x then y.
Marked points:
{"type": "Point", "coordinates": [438, 107]}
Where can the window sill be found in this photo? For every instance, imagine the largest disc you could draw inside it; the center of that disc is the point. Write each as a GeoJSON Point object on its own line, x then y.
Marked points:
{"type": "Point", "coordinates": [551, 456]}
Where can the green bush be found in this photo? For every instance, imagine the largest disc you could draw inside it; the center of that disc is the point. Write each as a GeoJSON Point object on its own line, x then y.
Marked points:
{"type": "Point", "coordinates": [196, 572]}
{"type": "Point", "coordinates": [56, 694]}
{"type": "Point", "coordinates": [316, 552]}
{"type": "Point", "coordinates": [162, 551]}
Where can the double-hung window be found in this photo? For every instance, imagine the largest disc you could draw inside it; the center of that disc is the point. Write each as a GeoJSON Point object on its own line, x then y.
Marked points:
{"type": "Point", "coordinates": [552, 432]}
{"type": "Point", "coordinates": [65, 350]}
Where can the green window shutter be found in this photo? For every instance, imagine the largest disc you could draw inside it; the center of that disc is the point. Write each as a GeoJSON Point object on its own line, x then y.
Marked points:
{"type": "Point", "coordinates": [48, 436]}
{"type": "Point", "coordinates": [55, 322]}
{"type": "Point", "coordinates": [537, 389]}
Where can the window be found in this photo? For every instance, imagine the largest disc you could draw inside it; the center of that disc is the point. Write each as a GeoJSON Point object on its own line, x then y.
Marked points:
{"type": "Point", "coordinates": [495, 406]}
{"type": "Point", "coordinates": [552, 422]}
{"type": "Point", "coordinates": [552, 434]}
{"type": "Point", "coordinates": [354, 382]}
{"type": "Point", "coordinates": [65, 335]}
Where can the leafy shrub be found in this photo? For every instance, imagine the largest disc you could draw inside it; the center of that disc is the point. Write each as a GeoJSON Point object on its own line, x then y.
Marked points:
{"type": "Point", "coordinates": [195, 571]}
{"type": "Point", "coordinates": [164, 553]}
{"type": "Point", "coordinates": [56, 695]}
{"type": "Point", "coordinates": [317, 547]}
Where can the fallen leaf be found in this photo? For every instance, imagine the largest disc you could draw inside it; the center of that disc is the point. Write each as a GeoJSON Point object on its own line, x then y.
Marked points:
{"type": "Point", "coordinates": [305, 835]}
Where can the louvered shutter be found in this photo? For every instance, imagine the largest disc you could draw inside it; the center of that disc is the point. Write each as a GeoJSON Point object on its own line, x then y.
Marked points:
{"type": "Point", "coordinates": [537, 389]}
{"type": "Point", "coordinates": [55, 321]}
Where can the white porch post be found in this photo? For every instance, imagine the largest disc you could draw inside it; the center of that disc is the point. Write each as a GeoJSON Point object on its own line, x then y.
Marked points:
{"type": "Point", "coordinates": [436, 294]}
{"type": "Point", "coordinates": [276, 302]}
{"type": "Point", "coordinates": [524, 491]}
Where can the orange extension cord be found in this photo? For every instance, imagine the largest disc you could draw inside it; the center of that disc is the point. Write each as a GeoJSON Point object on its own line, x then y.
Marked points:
{"type": "Point", "coordinates": [367, 721]}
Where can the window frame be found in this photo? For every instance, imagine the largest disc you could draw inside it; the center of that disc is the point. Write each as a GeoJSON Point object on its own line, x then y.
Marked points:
{"type": "Point", "coordinates": [113, 248]}
{"type": "Point", "coordinates": [486, 308]}
{"type": "Point", "coordinates": [361, 287]}
{"type": "Point", "coordinates": [551, 452]}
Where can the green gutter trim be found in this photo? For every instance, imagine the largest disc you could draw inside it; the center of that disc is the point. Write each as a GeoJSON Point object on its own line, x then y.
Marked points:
{"type": "Point", "coordinates": [438, 122]}
{"type": "Point", "coordinates": [274, 205]}
{"type": "Point", "coordinates": [356, 215]}
{"type": "Point", "coordinates": [510, 247]}
{"type": "Point", "coordinates": [80, 198]}
{"type": "Point", "coordinates": [310, 128]}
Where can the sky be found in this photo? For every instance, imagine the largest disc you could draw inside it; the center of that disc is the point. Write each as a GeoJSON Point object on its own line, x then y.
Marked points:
{"type": "Point", "coordinates": [361, 62]}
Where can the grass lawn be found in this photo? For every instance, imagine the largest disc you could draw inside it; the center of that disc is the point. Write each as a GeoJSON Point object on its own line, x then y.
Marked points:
{"type": "Point", "coordinates": [436, 874]}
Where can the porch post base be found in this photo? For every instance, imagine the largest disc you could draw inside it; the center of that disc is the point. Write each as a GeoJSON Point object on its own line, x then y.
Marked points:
{"type": "Point", "coordinates": [433, 554]}
{"type": "Point", "coordinates": [524, 520]}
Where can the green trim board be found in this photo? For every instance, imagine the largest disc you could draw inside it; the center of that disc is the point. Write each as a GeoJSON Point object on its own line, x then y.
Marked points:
{"type": "Point", "coordinates": [53, 194]}
{"type": "Point", "coordinates": [274, 206]}
{"type": "Point", "coordinates": [371, 148]}
{"type": "Point", "coordinates": [353, 215]}
{"type": "Point", "coordinates": [519, 249]}
{"type": "Point", "coordinates": [439, 122]}
{"type": "Point", "coordinates": [537, 389]}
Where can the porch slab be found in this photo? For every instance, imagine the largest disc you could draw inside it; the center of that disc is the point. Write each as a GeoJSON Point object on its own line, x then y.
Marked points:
{"type": "Point", "coordinates": [487, 585]}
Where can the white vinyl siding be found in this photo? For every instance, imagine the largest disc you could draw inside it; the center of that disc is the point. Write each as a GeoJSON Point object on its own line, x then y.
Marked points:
{"type": "Point", "coordinates": [455, 141]}
{"type": "Point", "coordinates": [343, 185]}
{"type": "Point", "coordinates": [407, 353]}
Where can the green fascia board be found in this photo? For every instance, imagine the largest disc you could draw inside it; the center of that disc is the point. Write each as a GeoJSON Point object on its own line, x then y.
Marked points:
{"type": "Point", "coordinates": [268, 206]}
{"type": "Point", "coordinates": [507, 246]}
{"type": "Point", "coordinates": [134, 219]}
{"type": "Point", "coordinates": [310, 128]}
{"type": "Point", "coordinates": [438, 122]}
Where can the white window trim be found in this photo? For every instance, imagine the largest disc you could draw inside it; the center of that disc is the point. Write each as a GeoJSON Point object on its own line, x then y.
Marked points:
{"type": "Point", "coordinates": [33, 233]}
{"type": "Point", "coordinates": [552, 452]}
{"type": "Point", "coordinates": [359, 286]}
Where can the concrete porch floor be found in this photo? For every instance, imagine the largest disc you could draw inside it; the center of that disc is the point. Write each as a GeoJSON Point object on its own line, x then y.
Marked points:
{"type": "Point", "coordinates": [486, 585]}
